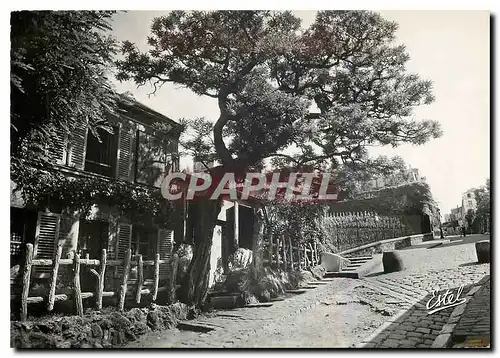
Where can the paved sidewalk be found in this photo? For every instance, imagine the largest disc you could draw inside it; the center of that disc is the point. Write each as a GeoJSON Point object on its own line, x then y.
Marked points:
{"type": "Point", "coordinates": [473, 327]}
{"type": "Point", "coordinates": [414, 327]}
{"type": "Point", "coordinates": [241, 327]}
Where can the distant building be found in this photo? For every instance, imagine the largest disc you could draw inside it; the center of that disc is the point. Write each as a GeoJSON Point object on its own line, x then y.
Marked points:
{"type": "Point", "coordinates": [468, 201]}
{"type": "Point", "coordinates": [456, 215]}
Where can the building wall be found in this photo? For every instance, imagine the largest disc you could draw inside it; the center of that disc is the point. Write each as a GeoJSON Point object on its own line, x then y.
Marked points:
{"type": "Point", "coordinates": [216, 253]}
{"type": "Point", "coordinates": [57, 227]}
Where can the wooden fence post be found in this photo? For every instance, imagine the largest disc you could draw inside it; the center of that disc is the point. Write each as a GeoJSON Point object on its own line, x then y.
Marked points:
{"type": "Point", "coordinates": [26, 281]}
{"type": "Point", "coordinates": [271, 250]}
{"type": "Point", "coordinates": [100, 281]}
{"type": "Point", "coordinates": [156, 276]}
{"type": "Point", "coordinates": [299, 256]}
{"type": "Point", "coordinates": [291, 253]}
{"type": "Point", "coordinates": [283, 246]}
{"type": "Point", "coordinates": [172, 282]}
{"type": "Point", "coordinates": [278, 258]}
{"type": "Point", "coordinates": [77, 291]}
{"type": "Point", "coordinates": [123, 288]}
{"type": "Point", "coordinates": [140, 278]}
{"type": "Point", "coordinates": [312, 255]}
{"type": "Point", "coordinates": [53, 277]}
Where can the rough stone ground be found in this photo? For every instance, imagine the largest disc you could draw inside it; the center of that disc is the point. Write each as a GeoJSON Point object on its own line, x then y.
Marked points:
{"type": "Point", "coordinates": [344, 312]}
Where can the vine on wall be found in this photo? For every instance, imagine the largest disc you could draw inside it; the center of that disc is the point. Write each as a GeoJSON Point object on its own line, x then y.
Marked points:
{"type": "Point", "coordinates": [48, 188]}
{"type": "Point", "coordinates": [410, 198]}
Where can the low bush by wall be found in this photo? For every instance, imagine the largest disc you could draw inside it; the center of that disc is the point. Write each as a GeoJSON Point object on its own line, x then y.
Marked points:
{"type": "Point", "coordinates": [97, 329]}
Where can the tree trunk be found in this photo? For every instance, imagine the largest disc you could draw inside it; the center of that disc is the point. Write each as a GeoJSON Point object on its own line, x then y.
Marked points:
{"type": "Point", "coordinates": [195, 285]}
{"type": "Point", "coordinates": [257, 245]}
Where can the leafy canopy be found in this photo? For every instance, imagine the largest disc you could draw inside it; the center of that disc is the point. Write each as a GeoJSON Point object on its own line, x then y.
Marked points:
{"type": "Point", "coordinates": [323, 93]}
{"type": "Point", "coordinates": [483, 199]}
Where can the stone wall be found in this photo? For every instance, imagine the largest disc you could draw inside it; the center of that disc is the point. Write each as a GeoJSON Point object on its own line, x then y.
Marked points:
{"type": "Point", "coordinates": [97, 329]}
{"type": "Point", "coordinates": [386, 245]}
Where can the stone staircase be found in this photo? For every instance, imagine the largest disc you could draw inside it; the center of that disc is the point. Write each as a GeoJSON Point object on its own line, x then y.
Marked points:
{"type": "Point", "coordinates": [357, 268]}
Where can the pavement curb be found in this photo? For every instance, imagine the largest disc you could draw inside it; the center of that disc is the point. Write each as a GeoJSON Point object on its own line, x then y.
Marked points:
{"type": "Point", "coordinates": [444, 337]}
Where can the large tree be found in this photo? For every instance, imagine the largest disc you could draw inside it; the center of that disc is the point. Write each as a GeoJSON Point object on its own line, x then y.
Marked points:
{"type": "Point", "coordinates": [323, 93]}
{"type": "Point", "coordinates": [59, 66]}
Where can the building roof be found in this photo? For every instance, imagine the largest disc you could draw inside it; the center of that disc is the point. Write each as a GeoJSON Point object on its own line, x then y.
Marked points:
{"type": "Point", "coordinates": [138, 112]}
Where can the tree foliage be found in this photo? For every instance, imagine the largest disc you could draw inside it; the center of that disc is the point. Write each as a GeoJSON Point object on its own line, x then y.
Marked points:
{"type": "Point", "coordinates": [312, 97]}
{"type": "Point", "coordinates": [356, 179]}
{"type": "Point", "coordinates": [483, 211]}
{"type": "Point", "coordinates": [59, 63]}
{"type": "Point", "coordinates": [483, 198]}
{"type": "Point", "coordinates": [266, 72]}
{"type": "Point", "coordinates": [408, 198]}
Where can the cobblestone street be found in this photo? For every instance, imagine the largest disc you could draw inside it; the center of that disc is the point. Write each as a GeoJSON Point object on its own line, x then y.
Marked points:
{"type": "Point", "coordinates": [380, 310]}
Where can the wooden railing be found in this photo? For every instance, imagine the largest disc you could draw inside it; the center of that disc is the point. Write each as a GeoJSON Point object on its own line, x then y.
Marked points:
{"type": "Point", "coordinates": [98, 269]}
{"type": "Point", "coordinates": [282, 254]}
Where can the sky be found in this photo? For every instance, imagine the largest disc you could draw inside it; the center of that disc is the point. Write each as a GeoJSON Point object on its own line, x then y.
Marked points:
{"type": "Point", "coordinates": [451, 48]}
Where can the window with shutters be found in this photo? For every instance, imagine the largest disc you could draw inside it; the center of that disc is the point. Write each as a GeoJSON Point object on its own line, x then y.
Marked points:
{"type": "Point", "coordinates": [22, 231]}
{"type": "Point", "coordinates": [101, 154]}
{"type": "Point", "coordinates": [153, 158]}
{"type": "Point", "coordinates": [93, 236]}
{"type": "Point", "coordinates": [143, 241]}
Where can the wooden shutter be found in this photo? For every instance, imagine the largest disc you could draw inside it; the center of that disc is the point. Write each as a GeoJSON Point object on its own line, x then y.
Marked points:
{"type": "Point", "coordinates": [58, 148]}
{"type": "Point", "coordinates": [125, 150]}
{"type": "Point", "coordinates": [47, 231]}
{"type": "Point", "coordinates": [123, 243]}
{"type": "Point", "coordinates": [165, 242]}
{"type": "Point", "coordinates": [78, 146]}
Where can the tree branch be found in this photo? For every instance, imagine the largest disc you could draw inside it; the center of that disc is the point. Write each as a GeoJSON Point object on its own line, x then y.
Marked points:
{"type": "Point", "coordinates": [220, 146]}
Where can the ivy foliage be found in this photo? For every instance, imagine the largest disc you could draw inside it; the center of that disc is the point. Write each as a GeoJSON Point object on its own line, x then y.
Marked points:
{"type": "Point", "coordinates": [47, 188]}
{"type": "Point", "coordinates": [409, 198]}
